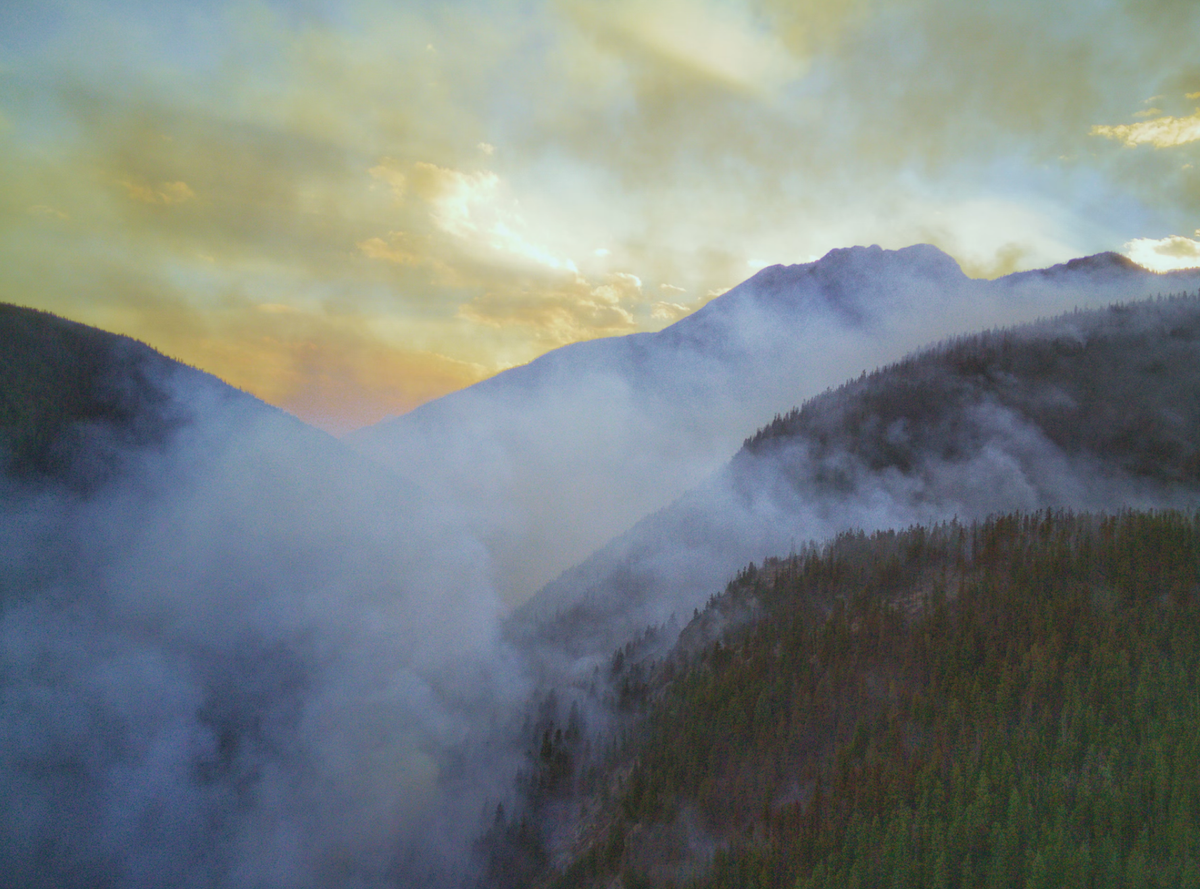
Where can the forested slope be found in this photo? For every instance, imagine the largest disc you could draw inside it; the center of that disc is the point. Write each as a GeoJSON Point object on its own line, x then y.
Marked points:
{"type": "Point", "coordinates": [76, 400]}
{"type": "Point", "coordinates": [1009, 703]}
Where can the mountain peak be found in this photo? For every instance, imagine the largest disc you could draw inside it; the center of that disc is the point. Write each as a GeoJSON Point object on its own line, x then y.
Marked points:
{"type": "Point", "coordinates": [1108, 263]}
{"type": "Point", "coordinates": [1109, 260]}
{"type": "Point", "coordinates": [854, 284]}
{"type": "Point", "coordinates": [923, 259]}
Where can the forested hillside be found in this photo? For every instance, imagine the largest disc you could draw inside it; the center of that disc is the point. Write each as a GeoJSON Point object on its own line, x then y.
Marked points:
{"type": "Point", "coordinates": [75, 400]}
{"type": "Point", "coordinates": [1006, 703]}
{"type": "Point", "coordinates": [1118, 384]}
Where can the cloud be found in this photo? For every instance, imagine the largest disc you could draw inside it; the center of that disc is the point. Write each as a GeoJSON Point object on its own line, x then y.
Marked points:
{"type": "Point", "coordinates": [477, 209]}
{"type": "Point", "coordinates": [45, 210]}
{"type": "Point", "coordinates": [719, 42]}
{"type": "Point", "coordinates": [1162, 132]}
{"type": "Point", "coordinates": [163, 193]}
{"type": "Point", "coordinates": [386, 172]}
{"type": "Point", "coordinates": [663, 139]}
{"type": "Point", "coordinates": [620, 286]}
{"type": "Point", "coordinates": [1164, 254]}
{"type": "Point", "coordinates": [569, 312]}
{"type": "Point", "coordinates": [394, 249]}
{"type": "Point", "coordinates": [668, 312]}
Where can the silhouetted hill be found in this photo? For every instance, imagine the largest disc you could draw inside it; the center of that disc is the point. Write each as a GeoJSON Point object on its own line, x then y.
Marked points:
{"type": "Point", "coordinates": [74, 400]}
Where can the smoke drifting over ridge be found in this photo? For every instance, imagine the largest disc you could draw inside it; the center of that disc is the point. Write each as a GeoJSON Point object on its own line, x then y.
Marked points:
{"type": "Point", "coordinates": [1094, 410]}
{"type": "Point", "coordinates": [244, 659]}
{"type": "Point", "coordinates": [551, 460]}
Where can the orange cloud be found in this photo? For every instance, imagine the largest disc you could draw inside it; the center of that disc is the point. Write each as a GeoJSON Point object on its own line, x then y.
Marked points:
{"type": "Point", "coordinates": [394, 249]}
{"type": "Point", "coordinates": [166, 193]}
{"type": "Point", "coordinates": [562, 314]}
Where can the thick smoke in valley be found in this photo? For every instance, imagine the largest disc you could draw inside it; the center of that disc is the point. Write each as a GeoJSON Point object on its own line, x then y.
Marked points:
{"type": "Point", "coordinates": [1095, 410]}
{"type": "Point", "coordinates": [234, 654]}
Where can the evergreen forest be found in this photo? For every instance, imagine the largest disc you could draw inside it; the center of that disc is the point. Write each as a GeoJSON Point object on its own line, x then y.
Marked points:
{"type": "Point", "coordinates": [1006, 703]}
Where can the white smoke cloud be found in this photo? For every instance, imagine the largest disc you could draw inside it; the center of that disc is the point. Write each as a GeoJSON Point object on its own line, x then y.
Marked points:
{"type": "Point", "coordinates": [244, 660]}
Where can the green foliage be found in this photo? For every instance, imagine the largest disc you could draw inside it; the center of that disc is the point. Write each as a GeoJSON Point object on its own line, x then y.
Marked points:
{"type": "Point", "coordinates": [1015, 703]}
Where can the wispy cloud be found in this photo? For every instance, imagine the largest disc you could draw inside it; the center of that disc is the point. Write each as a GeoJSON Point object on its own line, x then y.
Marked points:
{"type": "Point", "coordinates": [1161, 132]}
{"type": "Point", "coordinates": [395, 248]}
{"type": "Point", "coordinates": [668, 312]}
{"type": "Point", "coordinates": [574, 310]}
{"type": "Point", "coordinates": [162, 193]}
{"type": "Point", "coordinates": [1165, 254]}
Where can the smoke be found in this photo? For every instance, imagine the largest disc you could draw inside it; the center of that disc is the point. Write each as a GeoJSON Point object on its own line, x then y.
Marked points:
{"type": "Point", "coordinates": [1093, 411]}
{"type": "Point", "coordinates": [248, 658]}
{"type": "Point", "coordinates": [550, 461]}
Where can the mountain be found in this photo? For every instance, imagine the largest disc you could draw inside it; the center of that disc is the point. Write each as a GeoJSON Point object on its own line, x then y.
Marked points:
{"type": "Point", "coordinates": [232, 650]}
{"type": "Point", "coordinates": [549, 460]}
{"type": "Point", "coordinates": [1096, 409]}
{"type": "Point", "coordinates": [235, 651]}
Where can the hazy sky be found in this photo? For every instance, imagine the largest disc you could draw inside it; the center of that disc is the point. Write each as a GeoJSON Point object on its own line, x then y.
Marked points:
{"type": "Point", "coordinates": [351, 208]}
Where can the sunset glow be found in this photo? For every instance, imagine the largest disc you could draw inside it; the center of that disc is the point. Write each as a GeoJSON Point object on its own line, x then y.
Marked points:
{"type": "Point", "coordinates": [352, 208]}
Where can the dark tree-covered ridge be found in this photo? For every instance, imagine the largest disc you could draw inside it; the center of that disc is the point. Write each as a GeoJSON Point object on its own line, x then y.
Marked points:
{"type": "Point", "coordinates": [76, 400]}
{"type": "Point", "coordinates": [1095, 410]}
{"type": "Point", "coordinates": [1118, 383]}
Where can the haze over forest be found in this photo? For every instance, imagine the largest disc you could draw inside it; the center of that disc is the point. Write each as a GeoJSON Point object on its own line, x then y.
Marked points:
{"type": "Point", "coordinates": [237, 650]}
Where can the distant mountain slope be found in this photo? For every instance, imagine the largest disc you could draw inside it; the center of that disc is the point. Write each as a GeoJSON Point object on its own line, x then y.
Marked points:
{"type": "Point", "coordinates": [1091, 410]}
{"type": "Point", "coordinates": [550, 460]}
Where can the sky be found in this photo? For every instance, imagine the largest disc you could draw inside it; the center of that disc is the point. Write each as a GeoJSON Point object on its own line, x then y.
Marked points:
{"type": "Point", "coordinates": [351, 208]}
